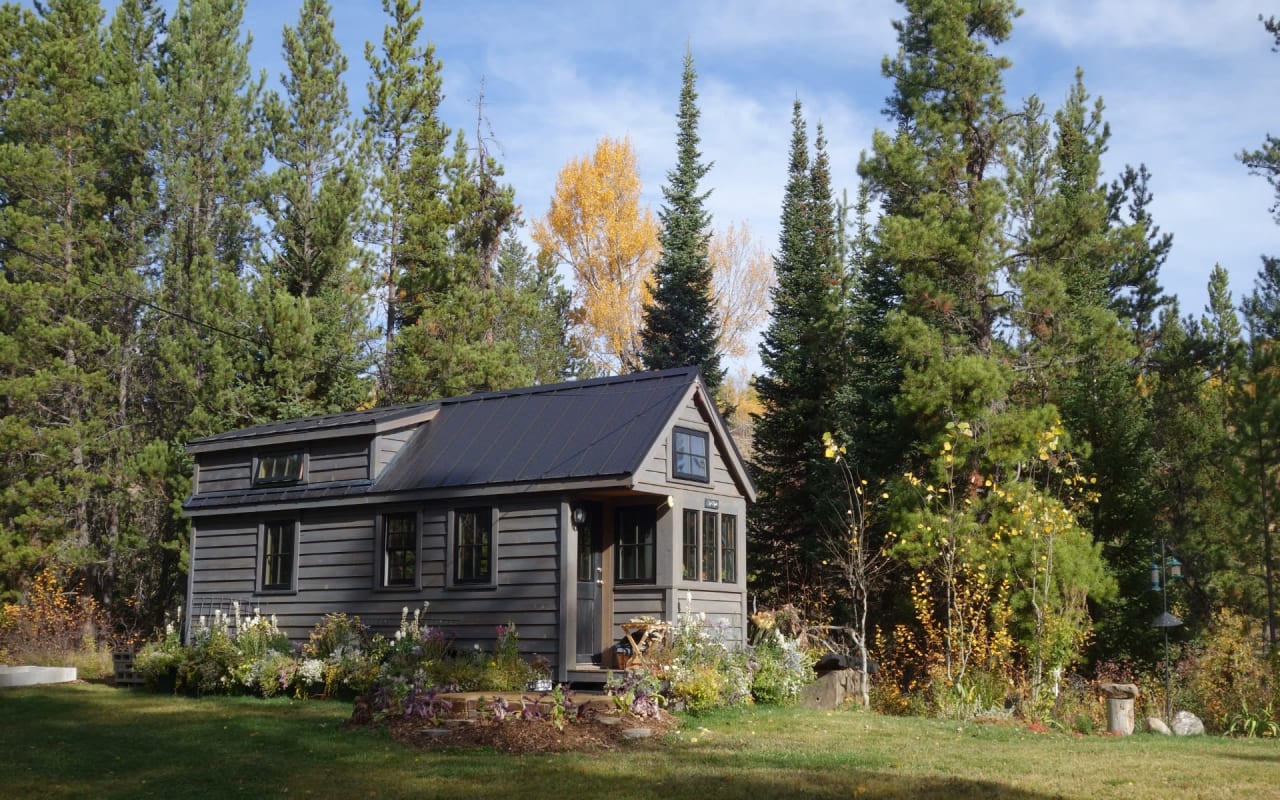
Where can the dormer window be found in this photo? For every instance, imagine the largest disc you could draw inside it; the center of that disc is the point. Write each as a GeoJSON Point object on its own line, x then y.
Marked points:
{"type": "Point", "coordinates": [278, 468]}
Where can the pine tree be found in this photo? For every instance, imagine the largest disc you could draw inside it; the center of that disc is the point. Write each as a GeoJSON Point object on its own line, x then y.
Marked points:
{"type": "Point", "coordinates": [404, 128]}
{"type": "Point", "coordinates": [802, 352]}
{"type": "Point", "coordinates": [311, 297]}
{"type": "Point", "coordinates": [538, 322]}
{"type": "Point", "coordinates": [680, 324]}
{"type": "Point", "coordinates": [60, 320]}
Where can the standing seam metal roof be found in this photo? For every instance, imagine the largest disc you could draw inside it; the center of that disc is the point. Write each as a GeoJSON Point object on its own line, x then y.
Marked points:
{"type": "Point", "coordinates": [585, 429]}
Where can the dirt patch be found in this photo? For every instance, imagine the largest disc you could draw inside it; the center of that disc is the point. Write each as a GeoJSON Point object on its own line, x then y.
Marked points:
{"type": "Point", "coordinates": [594, 733]}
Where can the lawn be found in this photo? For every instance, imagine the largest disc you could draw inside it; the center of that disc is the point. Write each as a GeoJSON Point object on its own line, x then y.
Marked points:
{"type": "Point", "coordinates": [89, 740]}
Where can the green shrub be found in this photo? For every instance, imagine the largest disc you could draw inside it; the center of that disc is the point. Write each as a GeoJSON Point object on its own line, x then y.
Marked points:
{"type": "Point", "coordinates": [782, 670]}
{"type": "Point", "coordinates": [1227, 674]}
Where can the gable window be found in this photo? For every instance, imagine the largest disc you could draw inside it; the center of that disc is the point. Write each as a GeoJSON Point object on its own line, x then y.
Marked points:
{"type": "Point", "coordinates": [690, 550]}
{"type": "Point", "coordinates": [278, 468]}
{"type": "Point", "coordinates": [689, 451]}
{"type": "Point", "coordinates": [278, 548]}
{"type": "Point", "coordinates": [400, 550]}
{"type": "Point", "coordinates": [635, 543]}
{"type": "Point", "coordinates": [728, 548]}
{"type": "Point", "coordinates": [473, 546]}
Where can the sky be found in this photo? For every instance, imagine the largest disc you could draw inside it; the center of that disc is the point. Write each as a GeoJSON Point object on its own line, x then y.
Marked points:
{"type": "Point", "coordinates": [1187, 84]}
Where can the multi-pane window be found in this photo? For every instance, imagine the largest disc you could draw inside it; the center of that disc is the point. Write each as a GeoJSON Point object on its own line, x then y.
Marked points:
{"type": "Point", "coordinates": [635, 543]}
{"type": "Point", "coordinates": [728, 548]}
{"type": "Point", "coordinates": [278, 468]}
{"type": "Point", "coordinates": [400, 549]}
{"type": "Point", "coordinates": [690, 550]}
{"type": "Point", "coordinates": [279, 540]}
{"type": "Point", "coordinates": [473, 546]}
{"type": "Point", "coordinates": [710, 567]}
{"type": "Point", "coordinates": [690, 455]}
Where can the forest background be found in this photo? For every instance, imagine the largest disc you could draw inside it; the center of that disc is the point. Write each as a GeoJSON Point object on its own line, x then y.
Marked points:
{"type": "Point", "coordinates": [970, 380]}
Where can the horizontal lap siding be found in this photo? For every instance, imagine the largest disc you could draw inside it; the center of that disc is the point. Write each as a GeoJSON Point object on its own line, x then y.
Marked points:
{"type": "Point", "coordinates": [387, 446]}
{"type": "Point", "coordinates": [341, 460]}
{"type": "Point", "coordinates": [337, 565]}
{"type": "Point", "coordinates": [720, 607]}
{"type": "Point", "coordinates": [225, 472]}
{"type": "Point", "coordinates": [631, 603]}
{"type": "Point", "coordinates": [655, 475]}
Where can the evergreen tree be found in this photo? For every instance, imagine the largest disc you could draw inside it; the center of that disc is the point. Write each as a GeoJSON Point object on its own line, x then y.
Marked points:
{"type": "Point", "coordinates": [311, 295]}
{"type": "Point", "coordinates": [539, 321]}
{"type": "Point", "coordinates": [201, 338]}
{"type": "Point", "coordinates": [404, 95]}
{"type": "Point", "coordinates": [990, 455]}
{"type": "Point", "coordinates": [803, 352]}
{"type": "Point", "coordinates": [680, 326]}
{"type": "Point", "coordinates": [60, 320]}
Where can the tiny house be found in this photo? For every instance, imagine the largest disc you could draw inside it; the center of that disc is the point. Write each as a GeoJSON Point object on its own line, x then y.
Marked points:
{"type": "Point", "coordinates": [567, 510]}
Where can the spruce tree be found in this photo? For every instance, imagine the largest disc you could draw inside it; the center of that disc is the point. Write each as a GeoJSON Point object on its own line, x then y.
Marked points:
{"type": "Point", "coordinates": [680, 323]}
{"type": "Point", "coordinates": [803, 352]}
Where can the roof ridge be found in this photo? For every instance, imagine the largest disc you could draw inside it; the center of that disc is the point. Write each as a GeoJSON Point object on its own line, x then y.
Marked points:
{"type": "Point", "coordinates": [572, 385]}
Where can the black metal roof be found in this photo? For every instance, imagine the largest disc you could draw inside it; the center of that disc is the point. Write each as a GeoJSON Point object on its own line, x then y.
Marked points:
{"type": "Point", "coordinates": [584, 429]}
{"type": "Point", "coordinates": [328, 423]}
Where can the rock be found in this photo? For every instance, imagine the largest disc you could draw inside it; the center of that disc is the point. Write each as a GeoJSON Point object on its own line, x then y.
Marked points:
{"type": "Point", "coordinates": [832, 689]}
{"type": "Point", "coordinates": [605, 720]}
{"type": "Point", "coordinates": [1156, 725]}
{"type": "Point", "coordinates": [1119, 691]}
{"type": "Point", "coordinates": [637, 733]}
{"type": "Point", "coordinates": [1187, 724]}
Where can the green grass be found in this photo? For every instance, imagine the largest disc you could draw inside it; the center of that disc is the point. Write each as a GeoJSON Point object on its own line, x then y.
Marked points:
{"type": "Point", "coordinates": [95, 741]}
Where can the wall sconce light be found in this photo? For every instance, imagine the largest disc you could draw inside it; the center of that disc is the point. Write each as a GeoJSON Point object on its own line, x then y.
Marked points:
{"type": "Point", "coordinates": [579, 516]}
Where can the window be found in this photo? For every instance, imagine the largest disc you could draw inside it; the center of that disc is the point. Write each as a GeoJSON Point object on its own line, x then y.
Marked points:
{"type": "Point", "coordinates": [473, 546]}
{"type": "Point", "coordinates": [635, 543]}
{"type": "Point", "coordinates": [279, 540]}
{"type": "Point", "coordinates": [278, 468]}
{"type": "Point", "coordinates": [689, 450]}
{"type": "Point", "coordinates": [728, 548]}
{"type": "Point", "coordinates": [710, 567]}
{"type": "Point", "coordinates": [400, 550]}
{"type": "Point", "coordinates": [690, 572]}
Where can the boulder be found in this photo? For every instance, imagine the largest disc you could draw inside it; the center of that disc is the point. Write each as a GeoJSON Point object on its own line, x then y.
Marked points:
{"type": "Point", "coordinates": [832, 689]}
{"type": "Point", "coordinates": [1187, 724]}
{"type": "Point", "coordinates": [1119, 691]}
{"type": "Point", "coordinates": [1156, 725]}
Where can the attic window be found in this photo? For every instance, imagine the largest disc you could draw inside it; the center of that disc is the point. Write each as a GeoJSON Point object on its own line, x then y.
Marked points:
{"type": "Point", "coordinates": [690, 450]}
{"type": "Point", "coordinates": [278, 468]}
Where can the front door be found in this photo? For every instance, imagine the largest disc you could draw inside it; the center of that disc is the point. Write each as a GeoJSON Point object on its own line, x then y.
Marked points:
{"type": "Point", "coordinates": [588, 518]}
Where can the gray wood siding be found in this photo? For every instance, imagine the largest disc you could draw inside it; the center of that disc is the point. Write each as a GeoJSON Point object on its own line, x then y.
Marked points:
{"type": "Point", "coordinates": [633, 602]}
{"type": "Point", "coordinates": [721, 607]}
{"type": "Point", "coordinates": [338, 460]}
{"type": "Point", "coordinates": [655, 474]}
{"type": "Point", "coordinates": [386, 446]}
{"type": "Point", "coordinates": [225, 472]}
{"type": "Point", "coordinates": [337, 572]}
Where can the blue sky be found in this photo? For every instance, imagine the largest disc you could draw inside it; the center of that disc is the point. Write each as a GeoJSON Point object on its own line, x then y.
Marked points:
{"type": "Point", "coordinates": [1187, 84]}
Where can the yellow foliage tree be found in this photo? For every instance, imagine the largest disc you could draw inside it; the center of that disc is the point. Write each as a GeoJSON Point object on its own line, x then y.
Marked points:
{"type": "Point", "coordinates": [598, 228]}
{"type": "Point", "coordinates": [743, 276]}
